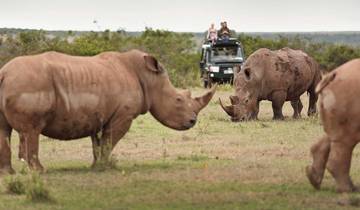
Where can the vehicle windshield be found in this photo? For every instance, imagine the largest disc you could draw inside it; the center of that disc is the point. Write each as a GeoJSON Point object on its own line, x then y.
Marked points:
{"type": "Point", "coordinates": [226, 54]}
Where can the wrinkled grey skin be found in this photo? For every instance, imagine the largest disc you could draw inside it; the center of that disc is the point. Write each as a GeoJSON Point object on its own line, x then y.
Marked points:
{"type": "Point", "coordinates": [277, 76]}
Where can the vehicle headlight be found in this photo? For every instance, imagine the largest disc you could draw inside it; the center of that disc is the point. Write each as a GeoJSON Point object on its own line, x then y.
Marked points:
{"type": "Point", "coordinates": [214, 69]}
{"type": "Point", "coordinates": [229, 71]}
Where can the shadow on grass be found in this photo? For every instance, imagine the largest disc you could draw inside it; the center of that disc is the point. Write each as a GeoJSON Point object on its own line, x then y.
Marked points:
{"type": "Point", "coordinates": [193, 161]}
{"type": "Point", "coordinates": [127, 167]}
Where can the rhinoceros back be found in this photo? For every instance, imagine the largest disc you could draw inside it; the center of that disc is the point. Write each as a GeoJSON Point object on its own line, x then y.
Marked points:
{"type": "Point", "coordinates": [298, 71]}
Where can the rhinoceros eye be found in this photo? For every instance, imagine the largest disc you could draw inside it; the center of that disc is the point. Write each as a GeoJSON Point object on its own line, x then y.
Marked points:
{"type": "Point", "coordinates": [178, 99]}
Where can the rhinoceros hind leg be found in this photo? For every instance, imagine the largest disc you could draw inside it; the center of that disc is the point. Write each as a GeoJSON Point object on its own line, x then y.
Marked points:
{"type": "Point", "coordinates": [339, 165]}
{"type": "Point", "coordinates": [297, 106]}
{"type": "Point", "coordinates": [278, 100]}
{"type": "Point", "coordinates": [320, 153]}
{"type": "Point", "coordinates": [5, 150]}
{"type": "Point", "coordinates": [111, 134]}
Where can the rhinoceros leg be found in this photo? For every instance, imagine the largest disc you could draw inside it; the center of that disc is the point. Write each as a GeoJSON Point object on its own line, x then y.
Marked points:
{"type": "Point", "coordinates": [297, 106]}
{"type": "Point", "coordinates": [339, 165]}
{"type": "Point", "coordinates": [320, 153]}
{"type": "Point", "coordinates": [31, 144]}
{"type": "Point", "coordinates": [96, 144]}
{"type": "Point", "coordinates": [254, 115]}
{"type": "Point", "coordinates": [313, 97]}
{"type": "Point", "coordinates": [278, 100]}
{"type": "Point", "coordinates": [22, 147]}
{"type": "Point", "coordinates": [5, 150]}
{"type": "Point", "coordinates": [111, 134]}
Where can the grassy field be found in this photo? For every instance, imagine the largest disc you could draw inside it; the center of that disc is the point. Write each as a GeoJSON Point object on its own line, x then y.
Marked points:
{"type": "Point", "coordinates": [216, 165]}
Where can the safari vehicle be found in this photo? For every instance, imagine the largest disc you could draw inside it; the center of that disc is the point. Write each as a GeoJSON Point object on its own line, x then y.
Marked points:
{"type": "Point", "coordinates": [218, 60]}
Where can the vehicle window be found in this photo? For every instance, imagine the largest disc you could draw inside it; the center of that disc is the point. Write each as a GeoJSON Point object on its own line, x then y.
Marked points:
{"type": "Point", "coordinates": [226, 54]}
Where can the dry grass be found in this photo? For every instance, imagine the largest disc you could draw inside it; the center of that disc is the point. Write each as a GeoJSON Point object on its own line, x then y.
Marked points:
{"type": "Point", "coordinates": [216, 165]}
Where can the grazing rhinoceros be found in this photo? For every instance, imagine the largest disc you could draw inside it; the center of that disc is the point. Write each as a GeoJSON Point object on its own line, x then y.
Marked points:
{"type": "Point", "coordinates": [277, 76]}
{"type": "Point", "coordinates": [339, 106]}
{"type": "Point", "coordinates": [69, 97]}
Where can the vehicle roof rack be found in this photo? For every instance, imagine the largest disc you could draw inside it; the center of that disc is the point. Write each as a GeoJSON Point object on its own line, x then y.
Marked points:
{"type": "Point", "coordinates": [222, 42]}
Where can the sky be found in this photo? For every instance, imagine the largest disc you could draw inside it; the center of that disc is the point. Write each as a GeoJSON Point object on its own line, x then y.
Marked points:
{"type": "Point", "coordinates": [182, 15]}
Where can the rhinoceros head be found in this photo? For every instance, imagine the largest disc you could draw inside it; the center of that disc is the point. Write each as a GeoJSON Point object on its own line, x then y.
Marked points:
{"type": "Point", "coordinates": [174, 109]}
{"type": "Point", "coordinates": [245, 102]}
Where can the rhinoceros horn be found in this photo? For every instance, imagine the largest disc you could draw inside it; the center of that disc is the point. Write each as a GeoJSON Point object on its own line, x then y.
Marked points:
{"type": "Point", "coordinates": [202, 101]}
{"type": "Point", "coordinates": [228, 109]}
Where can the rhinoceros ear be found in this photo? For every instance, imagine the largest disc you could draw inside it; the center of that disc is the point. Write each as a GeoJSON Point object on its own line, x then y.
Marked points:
{"type": "Point", "coordinates": [247, 73]}
{"type": "Point", "coordinates": [237, 68]}
{"type": "Point", "coordinates": [152, 64]}
{"type": "Point", "coordinates": [187, 93]}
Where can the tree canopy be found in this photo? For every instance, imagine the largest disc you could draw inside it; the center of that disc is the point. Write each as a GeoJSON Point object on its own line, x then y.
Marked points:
{"type": "Point", "coordinates": [177, 51]}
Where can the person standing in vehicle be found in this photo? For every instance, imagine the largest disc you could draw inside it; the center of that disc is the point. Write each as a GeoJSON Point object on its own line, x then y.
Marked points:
{"type": "Point", "coordinates": [221, 28]}
{"type": "Point", "coordinates": [227, 29]}
{"type": "Point", "coordinates": [212, 34]}
{"type": "Point", "coordinates": [224, 32]}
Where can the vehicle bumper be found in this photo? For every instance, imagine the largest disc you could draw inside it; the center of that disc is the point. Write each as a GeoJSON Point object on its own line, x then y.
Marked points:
{"type": "Point", "coordinates": [216, 75]}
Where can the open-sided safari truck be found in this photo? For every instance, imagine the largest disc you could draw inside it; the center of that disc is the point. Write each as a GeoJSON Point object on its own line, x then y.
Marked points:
{"type": "Point", "coordinates": [218, 60]}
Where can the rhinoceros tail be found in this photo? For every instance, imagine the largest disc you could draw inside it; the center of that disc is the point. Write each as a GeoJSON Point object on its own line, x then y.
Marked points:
{"type": "Point", "coordinates": [326, 80]}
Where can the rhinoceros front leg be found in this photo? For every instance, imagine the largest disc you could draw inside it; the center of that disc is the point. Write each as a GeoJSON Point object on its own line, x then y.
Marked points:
{"type": "Point", "coordinates": [96, 144]}
{"type": "Point", "coordinates": [103, 145]}
{"type": "Point", "coordinates": [278, 100]}
{"type": "Point", "coordinates": [255, 114]}
{"type": "Point", "coordinates": [30, 144]}
{"type": "Point", "coordinates": [22, 146]}
{"type": "Point", "coordinates": [297, 106]}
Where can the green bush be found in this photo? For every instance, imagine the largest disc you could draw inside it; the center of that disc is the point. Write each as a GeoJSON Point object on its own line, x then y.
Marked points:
{"type": "Point", "coordinates": [177, 51]}
{"type": "Point", "coordinates": [328, 55]}
{"type": "Point", "coordinates": [29, 184]}
{"type": "Point", "coordinates": [36, 190]}
{"type": "Point", "coordinates": [14, 185]}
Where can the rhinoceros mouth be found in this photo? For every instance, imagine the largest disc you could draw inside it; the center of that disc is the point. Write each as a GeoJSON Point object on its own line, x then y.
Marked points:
{"type": "Point", "coordinates": [185, 127]}
{"type": "Point", "coordinates": [236, 119]}
{"type": "Point", "coordinates": [247, 117]}
{"type": "Point", "coordinates": [189, 124]}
